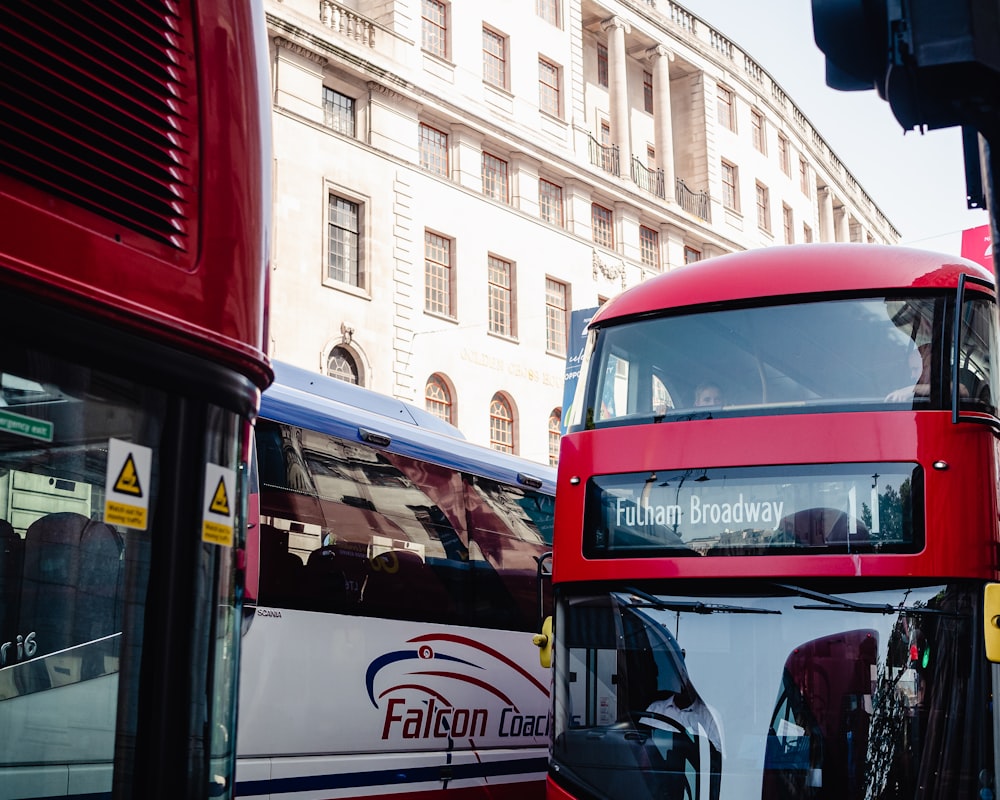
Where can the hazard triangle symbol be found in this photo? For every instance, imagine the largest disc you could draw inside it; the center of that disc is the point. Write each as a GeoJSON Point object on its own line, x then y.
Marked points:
{"type": "Point", "coordinates": [220, 500]}
{"type": "Point", "coordinates": [128, 479]}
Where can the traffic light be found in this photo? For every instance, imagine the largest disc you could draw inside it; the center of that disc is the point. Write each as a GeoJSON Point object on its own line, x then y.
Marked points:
{"type": "Point", "coordinates": [937, 63]}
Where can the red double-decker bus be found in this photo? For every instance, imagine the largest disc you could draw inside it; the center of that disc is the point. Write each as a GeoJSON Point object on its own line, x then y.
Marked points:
{"type": "Point", "coordinates": [134, 194]}
{"type": "Point", "coordinates": [776, 533]}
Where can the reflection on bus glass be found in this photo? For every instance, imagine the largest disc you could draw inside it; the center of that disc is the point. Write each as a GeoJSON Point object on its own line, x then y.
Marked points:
{"type": "Point", "coordinates": [834, 355]}
{"type": "Point", "coordinates": [756, 511]}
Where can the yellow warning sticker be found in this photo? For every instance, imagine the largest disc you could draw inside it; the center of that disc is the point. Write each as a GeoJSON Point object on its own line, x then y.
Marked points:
{"type": "Point", "coordinates": [220, 500]}
{"type": "Point", "coordinates": [126, 484]}
{"type": "Point", "coordinates": [218, 511]}
{"type": "Point", "coordinates": [128, 479]}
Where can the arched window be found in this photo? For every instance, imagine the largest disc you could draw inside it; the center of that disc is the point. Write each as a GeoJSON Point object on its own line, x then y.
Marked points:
{"type": "Point", "coordinates": [555, 418]}
{"type": "Point", "coordinates": [437, 398]}
{"type": "Point", "coordinates": [342, 365]}
{"type": "Point", "coordinates": [501, 424]}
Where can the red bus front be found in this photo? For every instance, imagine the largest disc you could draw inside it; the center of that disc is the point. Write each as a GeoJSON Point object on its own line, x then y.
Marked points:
{"type": "Point", "coordinates": [776, 516]}
{"type": "Point", "coordinates": [134, 196]}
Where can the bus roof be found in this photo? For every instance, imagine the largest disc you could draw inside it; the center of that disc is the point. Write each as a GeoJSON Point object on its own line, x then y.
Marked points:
{"type": "Point", "coordinates": [327, 405]}
{"type": "Point", "coordinates": [782, 271]}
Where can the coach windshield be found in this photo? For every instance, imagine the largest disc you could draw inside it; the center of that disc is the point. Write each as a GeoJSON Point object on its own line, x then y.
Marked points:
{"type": "Point", "coordinates": [870, 353]}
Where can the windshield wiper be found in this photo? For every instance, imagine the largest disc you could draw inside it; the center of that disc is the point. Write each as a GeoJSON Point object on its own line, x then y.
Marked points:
{"type": "Point", "coordinates": [694, 606]}
{"type": "Point", "coordinates": [830, 602]}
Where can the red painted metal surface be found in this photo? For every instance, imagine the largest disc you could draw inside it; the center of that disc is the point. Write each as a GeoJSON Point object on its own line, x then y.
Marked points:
{"type": "Point", "coordinates": [203, 289]}
{"type": "Point", "coordinates": [960, 498]}
{"type": "Point", "coordinates": [791, 270]}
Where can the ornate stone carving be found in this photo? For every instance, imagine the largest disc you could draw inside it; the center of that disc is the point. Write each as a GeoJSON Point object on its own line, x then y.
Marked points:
{"type": "Point", "coordinates": [608, 271]}
{"type": "Point", "coordinates": [299, 50]}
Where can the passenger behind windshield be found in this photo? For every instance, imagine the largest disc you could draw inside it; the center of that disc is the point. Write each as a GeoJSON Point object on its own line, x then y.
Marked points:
{"type": "Point", "coordinates": [918, 358]}
{"type": "Point", "coordinates": [707, 394]}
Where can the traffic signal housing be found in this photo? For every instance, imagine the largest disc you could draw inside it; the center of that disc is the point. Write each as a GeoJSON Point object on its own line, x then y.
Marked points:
{"type": "Point", "coordinates": [936, 63]}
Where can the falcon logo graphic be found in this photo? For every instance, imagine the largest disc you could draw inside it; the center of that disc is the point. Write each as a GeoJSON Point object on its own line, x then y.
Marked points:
{"type": "Point", "coordinates": [419, 690]}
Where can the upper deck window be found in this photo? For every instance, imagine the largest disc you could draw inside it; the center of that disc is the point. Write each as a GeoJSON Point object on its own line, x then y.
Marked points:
{"type": "Point", "coordinates": [872, 353]}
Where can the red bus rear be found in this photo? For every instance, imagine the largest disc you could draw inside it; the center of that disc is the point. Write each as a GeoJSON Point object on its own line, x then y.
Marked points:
{"type": "Point", "coordinates": [776, 523]}
{"type": "Point", "coordinates": [134, 190]}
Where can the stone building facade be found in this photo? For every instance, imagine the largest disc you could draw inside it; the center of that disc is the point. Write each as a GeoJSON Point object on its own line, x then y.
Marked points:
{"type": "Point", "coordinates": [452, 179]}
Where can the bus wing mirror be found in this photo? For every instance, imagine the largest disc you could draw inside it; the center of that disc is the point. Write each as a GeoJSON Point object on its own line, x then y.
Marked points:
{"type": "Point", "coordinates": [543, 641]}
{"type": "Point", "coordinates": [991, 621]}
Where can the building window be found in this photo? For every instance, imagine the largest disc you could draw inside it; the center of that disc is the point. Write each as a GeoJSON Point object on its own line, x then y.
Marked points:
{"type": "Point", "coordinates": [757, 130]}
{"type": "Point", "coordinates": [437, 398]}
{"type": "Point", "coordinates": [501, 282]}
{"type": "Point", "coordinates": [550, 202]}
{"type": "Point", "coordinates": [342, 366]}
{"type": "Point", "coordinates": [647, 92]}
{"type": "Point", "coordinates": [763, 208]}
{"type": "Point", "coordinates": [787, 223]}
{"type": "Point", "coordinates": [785, 154]}
{"type": "Point", "coordinates": [338, 111]}
{"type": "Point", "coordinates": [494, 58]}
{"type": "Point", "coordinates": [730, 193]}
{"type": "Point", "coordinates": [602, 224]}
{"type": "Point", "coordinates": [343, 228]}
{"type": "Point", "coordinates": [556, 305]}
{"type": "Point", "coordinates": [804, 177]}
{"type": "Point", "coordinates": [602, 65]}
{"type": "Point", "coordinates": [807, 233]}
{"type": "Point", "coordinates": [650, 157]}
{"type": "Point", "coordinates": [726, 107]}
{"type": "Point", "coordinates": [607, 150]}
{"type": "Point", "coordinates": [501, 424]}
{"type": "Point", "coordinates": [555, 423]}
{"type": "Point", "coordinates": [548, 10]}
{"type": "Point", "coordinates": [548, 87]}
{"type": "Point", "coordinates": [435, 27]}
{"type": "Point", "coordinates": [691, 255]}
{"type": "Point", "coordinates": [434, 150]}
{"type": "Point", "coordinates": [649, 247]}
{"type": "Point", "coordinates": [437, 274]}
{"type": "Point", "coordinates": [495, 177]}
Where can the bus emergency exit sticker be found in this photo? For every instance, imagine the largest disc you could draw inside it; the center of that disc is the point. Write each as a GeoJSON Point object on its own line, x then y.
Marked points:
{"type": "Point", "coordinates": [219, 507]}
{"type": "Point", "coordinates": [126, 484]}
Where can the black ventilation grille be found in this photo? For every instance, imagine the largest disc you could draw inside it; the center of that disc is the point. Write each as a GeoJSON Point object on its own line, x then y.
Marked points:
{"type": "Point", "coordinates": [97, 108]}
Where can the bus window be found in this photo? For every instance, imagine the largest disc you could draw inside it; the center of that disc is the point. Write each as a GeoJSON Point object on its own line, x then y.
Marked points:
{"type": "Point", "coordinates": [866, 353]}
{"type": "Point", "coordinates": [977, 341]}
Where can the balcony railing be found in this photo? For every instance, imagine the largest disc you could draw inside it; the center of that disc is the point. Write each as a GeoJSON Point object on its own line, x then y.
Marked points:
{"type": "Point", "coordinates": [697, 203]}
{"type": "Point", "coordinates": [347, 22]}
{"type": "Point", "coordinates": [650, 180]}
{"type": "Point", "coordinates": [604, 156]}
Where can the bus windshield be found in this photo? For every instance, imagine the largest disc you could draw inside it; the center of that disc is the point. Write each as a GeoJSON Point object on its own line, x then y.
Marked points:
{"type": "Point", "coordinates": [867, 353]}
{"type": "Point", "coordinates": [773, 692]}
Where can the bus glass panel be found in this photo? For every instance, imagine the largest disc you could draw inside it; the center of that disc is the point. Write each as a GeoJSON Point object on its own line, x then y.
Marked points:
{"type": "Point", "coordinates": [832, 508]}
{"type": "Point", "coordinates": [853, 354]}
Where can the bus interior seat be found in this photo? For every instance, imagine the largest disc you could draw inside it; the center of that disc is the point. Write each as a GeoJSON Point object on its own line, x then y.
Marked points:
{"type": "Point", "coordinates": [72, 589]}
{"type": "Point", "coordinates": [976, 389]}
{"type": "Point", "coordinates": [11, 558]}
{"type": "Point", "coordinates": [399, 582]}
{"type": "Point", "coordinates": [279, 576]}
{"type": "Point", "coordinates": [325, 582]}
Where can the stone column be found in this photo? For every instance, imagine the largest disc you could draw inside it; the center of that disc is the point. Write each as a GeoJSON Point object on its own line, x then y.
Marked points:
{"type": "Point", "coordinates": [826, 229]}
{"type": "Point", "coordinates": [618, 90]}
{"type": "Point", "coordinates": [662, 116]}
{"type": "Point", "coordinates": [843, 224]}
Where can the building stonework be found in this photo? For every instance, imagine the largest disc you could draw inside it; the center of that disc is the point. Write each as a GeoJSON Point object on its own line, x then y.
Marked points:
{"type": "Point", "coordinates": [451, 179]}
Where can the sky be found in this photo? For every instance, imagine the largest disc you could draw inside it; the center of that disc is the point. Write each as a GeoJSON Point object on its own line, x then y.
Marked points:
{"type": "Point", "coordinates": [917, 179]}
